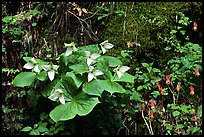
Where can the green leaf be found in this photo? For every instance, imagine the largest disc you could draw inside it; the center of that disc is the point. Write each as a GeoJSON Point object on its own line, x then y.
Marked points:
{"type": "Point", "coordinates": [93, 88]}
{"type": "Point", "coordinates": [42, 129]}
{"type": "Point", "coordinates": [155, 93]}
{"type": "Point", "coordinates": [104, 15]}
{"type": "Point", "coordinates": [77, 78]}
{"type": "Point", "coordinates": [24, 79]}
{"type": "Point", "coordinates": [185, 108]}
{"type": "Point", "coordinates": [79, 68]}
{"type": "Point", "coordinates": [34, 132]}
{"type": "Point", "coordinates": [176, 113]}
{"type": "Point", "coordinates": [126, 77]}
{"type": "Point", "coordinates": [112, 61]}
{"type": "Point", "coordinates": [112, 87]}
{"type": "Point", "coordinates": [42, 76]}
{"type": "Point", "coordinates": [199, 112]}
{"type": "Point", "coordinates": [79, 102]}
{"type": "Point", "coordinates": [179, 126]}
{"type": "Point", "coordinates": [82, 105]}
{"type": "Point", "coordinates": [34, 24]}
{"type": "Point", "coordinates": [145, 65]}
{"type": "Point", "coordinates": [35, 12]}
{"type": "Point", "coordinates": [156, 70]}
{"type": "Point", "coordinates": [26, 129]}
{"type": "Point", "coordinates": [139, 87]}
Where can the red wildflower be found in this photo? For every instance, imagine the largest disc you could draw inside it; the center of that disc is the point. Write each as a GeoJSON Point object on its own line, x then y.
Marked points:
{"type": "Point", "coordinates": [160, 88]}
{"type": "Point", "coordinates": [191, 90]}
{"type": "Point", "coordinates": [151, 114]}
{"type": "Point", "coordinates": [197, 71]}
{"type": "Point", "coordinates": [167, 79]}
{"type": "Point", "coordinates": [195, 26]}
{"type": "Point", "coordinates": [152, 104]}
{"type": "Point", "coordinates": [178, 87]}
{"type": "Point", "coordinates": [128, 43]}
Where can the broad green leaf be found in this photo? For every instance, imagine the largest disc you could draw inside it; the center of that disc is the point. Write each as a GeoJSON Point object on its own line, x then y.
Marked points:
{"type": "Point", "coordinates": [92, 48]}
{"type": "Point", "coordinates": [149, 68]}
{"type": "Point", "coordinates": [24, 79]}
{"type": "Point", "coordinates": [26, 129]}
{"type": "Point", "coordinates": [145, 65]}
{"type": "Point", "coordinates": [93, 88]}
{"type": "Point", "coordinates": [42, 129]}
{"type": "Point", "coordinates": [79, 68]}
{"type": "Point", "coordinates": [49, 88]}
{"type": "Point", "coordinates": [42, 76]}
{"type": "Point", "coordinates": [126, 77]}
{"type": "Point", "coordinates": [77, 78]}
{"type": "Point", "coordinates": [112, 87]}
{"type": "Point", "coordinates": [112, 61]}
{"type": "Point", "coordinates": [176, 113]}
{"type": "Point", "coordinates": [82, 105]}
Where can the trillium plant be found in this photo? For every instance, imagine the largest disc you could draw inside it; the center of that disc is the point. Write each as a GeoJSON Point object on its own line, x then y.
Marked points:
{"type": "Point", "coordinates": [75, 81]}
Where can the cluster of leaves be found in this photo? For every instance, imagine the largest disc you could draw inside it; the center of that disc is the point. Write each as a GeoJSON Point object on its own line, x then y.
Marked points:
{"type": "Point", "coordinates": [68, 81]}
{"type": "Point", "coordinates": [171, 95]}
{"type": "Point", "coordinates": [45, 126]}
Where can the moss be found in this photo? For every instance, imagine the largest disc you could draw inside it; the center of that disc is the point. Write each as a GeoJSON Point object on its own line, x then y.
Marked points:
{"type": "Point", "coordinates": [146, 21]}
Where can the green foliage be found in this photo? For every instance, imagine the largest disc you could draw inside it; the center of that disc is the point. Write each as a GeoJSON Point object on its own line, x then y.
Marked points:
{"type": "Point", "coordinates": [80, 95]}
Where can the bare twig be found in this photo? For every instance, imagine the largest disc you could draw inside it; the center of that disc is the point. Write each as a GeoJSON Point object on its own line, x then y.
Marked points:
{"type": "Point", "coordinates": [146, 123]}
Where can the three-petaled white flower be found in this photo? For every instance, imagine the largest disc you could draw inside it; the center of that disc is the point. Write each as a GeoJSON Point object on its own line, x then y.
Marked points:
{"type": "Point", "coordinates": [58, 94]}
{"type": "Point", "coordinates": [93, 73]}
{"type": "Point", "coordinates": [120, 70]}
{"type": "Point", "coordinates": [70, 48]}
{"type": "Point", "coordinates": [90, 57]}
{"type": "Point", "coordinates": [32, 64]}
{"type": "Point", "coordinates": [51, 70]}
{"type": "Point", "coordinates": [105, 45]}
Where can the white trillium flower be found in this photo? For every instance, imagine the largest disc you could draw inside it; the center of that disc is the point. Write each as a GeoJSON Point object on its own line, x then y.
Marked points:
{"type": "Point", "coordinates": [57, 94]}
{"type": "Point", "coordinates": [120, 70]}
{"type": "Point", "coordinates": [105, 45]}
{"type": "Point", "coordinates": [70, 48]}
{"type": "Point", "coordinates": [90, 57]}
{"type": "Point", "coordinates": [93, 73]}
{"type": "Point", "coordinates": [51, 70]}
{"type": "Point", "coordinates": [32, 64]}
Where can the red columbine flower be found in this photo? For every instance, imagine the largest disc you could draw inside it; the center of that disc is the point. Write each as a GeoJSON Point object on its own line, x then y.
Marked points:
{"type": "Point", "coordinates": [128, 43]}
{"type": "Point", "coordinates": [151, 114]}
{"type": "Point", "coordinates": [197, 71]}
{"type": "Point", "coordinates": [178, 87]}
{"type": "Point", "coordinates": [160, 88]}
{"type": "Point", "coordinates": [195, 26]}
{"type": "Point", "coordinates": [152, 104]}
{"type": "Point", "coordinates": [191, 90]}
{"type": "Point", "coordinates": [167, 79]}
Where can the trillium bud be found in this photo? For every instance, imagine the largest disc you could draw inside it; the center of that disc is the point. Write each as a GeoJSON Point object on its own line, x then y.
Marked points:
{"type": "Point", "coordinates": [160, 88]}
{"type": "Point", "coordinates": [191, 90]}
